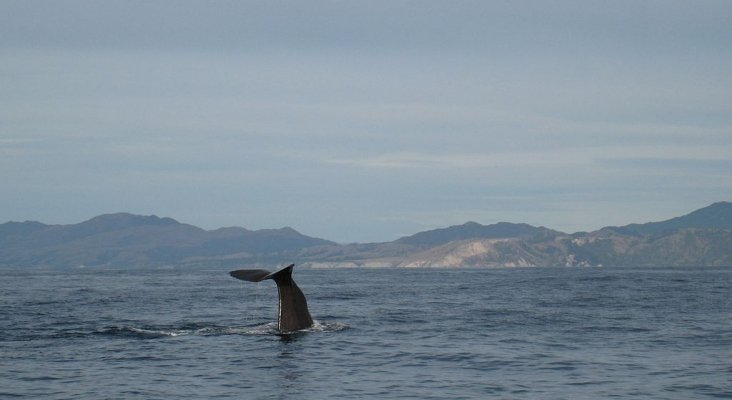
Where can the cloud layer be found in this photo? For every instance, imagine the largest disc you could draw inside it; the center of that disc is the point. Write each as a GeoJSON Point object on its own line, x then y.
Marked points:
{"type": "Point", "coordinates": [365, 121]}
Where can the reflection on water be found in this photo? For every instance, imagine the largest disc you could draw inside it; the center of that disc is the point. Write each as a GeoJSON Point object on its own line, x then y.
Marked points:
{"type": "Point", "coordinates": [290, 337]}
{"type": "Point", "coordinates": [291, 371]}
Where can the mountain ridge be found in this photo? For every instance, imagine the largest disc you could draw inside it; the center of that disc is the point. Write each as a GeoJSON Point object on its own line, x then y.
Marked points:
{"type": "Point", "coordinates": [122, 238]}
{"type": "Point", "coordinates": [472, 229]}
{"type": "Point", "coordinates": [701, 237]}
{"type": "Point", "coordinates": [716, 216]}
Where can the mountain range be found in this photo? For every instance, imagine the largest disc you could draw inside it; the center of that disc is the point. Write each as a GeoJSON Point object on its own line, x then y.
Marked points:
{"type": "Point", "coordinates": [700, 238]}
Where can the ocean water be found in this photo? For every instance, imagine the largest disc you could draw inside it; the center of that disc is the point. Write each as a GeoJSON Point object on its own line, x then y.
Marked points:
{"type": "Point", "coordinates": [537, 333]}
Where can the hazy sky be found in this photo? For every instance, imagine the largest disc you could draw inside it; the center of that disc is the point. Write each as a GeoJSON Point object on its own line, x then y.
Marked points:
{"type": "Point", "coordinates": [365, 120]}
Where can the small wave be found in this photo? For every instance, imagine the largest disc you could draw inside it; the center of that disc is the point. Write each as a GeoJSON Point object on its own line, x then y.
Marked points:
{"type": "Point", "coordinates": [327, 327]}
{"type": "Point", "coordinates": [265, 329]}
{"type": "Point", "coordinates": [150, 332]}
{"type": "Point", "coordinates": [271, 328]}
{"type": "Point", "coordinates": [134, 332]}
{"type": "Point", "coordinates": [600, 278]}
{"type": "Point", "coordinates": [153, 332]}
{"type": "Point", "coordinates": [609, 329]}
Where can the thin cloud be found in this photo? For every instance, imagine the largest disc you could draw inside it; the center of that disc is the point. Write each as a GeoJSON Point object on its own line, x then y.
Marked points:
{"type": "Point", "coordinates": [326, 115]}
{"type": "Point", "coordinates": [554, 159]}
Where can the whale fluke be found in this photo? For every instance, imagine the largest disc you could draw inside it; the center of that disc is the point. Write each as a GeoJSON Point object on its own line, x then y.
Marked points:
{"type": "Point", "coordinates": [293, 309]}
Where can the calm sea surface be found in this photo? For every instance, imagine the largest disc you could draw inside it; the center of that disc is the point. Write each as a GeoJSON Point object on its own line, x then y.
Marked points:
{"type": "Point", "coordinates": [539, 333]}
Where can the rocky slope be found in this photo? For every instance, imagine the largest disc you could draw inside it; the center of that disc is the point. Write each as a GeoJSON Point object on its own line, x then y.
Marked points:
{"type": "Point", "coordinates": [701, 238]}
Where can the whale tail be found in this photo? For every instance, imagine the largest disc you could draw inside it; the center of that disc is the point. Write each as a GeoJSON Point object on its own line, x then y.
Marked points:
{"type": "Point", "coordinates": [293, 310]}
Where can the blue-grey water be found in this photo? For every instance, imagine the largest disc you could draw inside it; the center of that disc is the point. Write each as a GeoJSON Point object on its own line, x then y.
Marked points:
{"type": "Point", "coordinates": [539, 333]}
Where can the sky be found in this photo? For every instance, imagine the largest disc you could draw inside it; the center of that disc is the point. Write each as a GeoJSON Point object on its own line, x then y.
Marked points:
{"type": "Point", "coordinates": [363, 121]}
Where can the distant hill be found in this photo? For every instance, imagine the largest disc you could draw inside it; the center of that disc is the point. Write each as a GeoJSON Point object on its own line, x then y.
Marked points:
{"type": "Point", "coordinates": [124, 239]}
{"type": "Point", "coordinates": [715, 216]}
{"type": "Point", "coordinates": [700, 238]}
{"type": "Point", "coordinates": [474, 230]}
